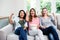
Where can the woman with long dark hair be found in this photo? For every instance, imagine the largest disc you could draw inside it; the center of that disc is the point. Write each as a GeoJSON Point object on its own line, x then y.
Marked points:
{"type": "Point", "coordinates": [20, 25]}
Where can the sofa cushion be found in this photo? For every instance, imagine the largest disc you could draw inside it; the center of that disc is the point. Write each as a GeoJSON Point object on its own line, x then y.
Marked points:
{"type": "Point", "coordinates": [58, 22]}
{"type": "Point", "coordinates": [13, 36]}
{"type": "Point", "coordinates": [45, 37]}
{"type": "Point", "coordinates": [30, 37]}
{"type": "Point", "coordinates": [58, 31]}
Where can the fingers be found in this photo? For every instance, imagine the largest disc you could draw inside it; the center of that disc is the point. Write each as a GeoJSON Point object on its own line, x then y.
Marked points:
{"type": "Point", "coordinates": [53, 14]}
{"type": "Point", "coordinates": [12, 14]}
{"type": "Point", "coordinates": [27, 12]}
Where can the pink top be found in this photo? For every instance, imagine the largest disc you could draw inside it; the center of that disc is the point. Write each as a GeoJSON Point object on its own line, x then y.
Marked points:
{"type": "Point", "coordinates": [34, 21]}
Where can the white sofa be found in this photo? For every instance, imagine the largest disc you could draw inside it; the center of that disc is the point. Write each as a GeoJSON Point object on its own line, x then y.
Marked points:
{"type": "Point", "coordinates": [7, 32]}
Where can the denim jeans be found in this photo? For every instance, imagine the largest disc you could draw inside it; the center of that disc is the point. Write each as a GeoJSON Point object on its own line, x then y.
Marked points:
{"type": "Point", "coordinates": [51, 30]}
{"type": "Point", "coordinates": [50, 36]}
{"type": "Point", "coordinates": [22, 33]}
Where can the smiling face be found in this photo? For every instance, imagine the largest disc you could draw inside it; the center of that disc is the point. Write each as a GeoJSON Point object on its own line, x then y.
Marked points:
{"type": "Point", "coordinates": [44, 11]}
{"type": "Point", "coordinates": [32, 13]}
{"type": "Point", "coordinates": [21, 14]}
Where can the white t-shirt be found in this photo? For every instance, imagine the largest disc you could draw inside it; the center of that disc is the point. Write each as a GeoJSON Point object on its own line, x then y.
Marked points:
{"type": "Point", "coordinates": [16, 20]}
{"type": "Point", "coordinates": [33, 26]}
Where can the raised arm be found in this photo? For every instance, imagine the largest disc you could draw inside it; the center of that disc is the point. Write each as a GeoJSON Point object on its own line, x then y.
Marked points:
{"type": "Point", "coordinates": [10, 19]}
{"type": "Point", "coordinates": [54, 19]}
{"type": "Point", "coordinates": [27, 16]}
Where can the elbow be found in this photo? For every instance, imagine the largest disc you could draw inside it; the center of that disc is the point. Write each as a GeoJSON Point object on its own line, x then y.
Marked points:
{"type": "Point", "coordinates": [10, 22]}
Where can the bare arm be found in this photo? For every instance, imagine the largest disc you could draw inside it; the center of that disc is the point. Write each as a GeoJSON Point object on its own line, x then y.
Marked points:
{"type": "Point", "coordinates": [10, 19]}
{"type": "Point", "coordinates": [25, 26]}
{"type": "Point", "coordinates": [54, 17]}
{"type": "Point", "coordinates": [27, 16]}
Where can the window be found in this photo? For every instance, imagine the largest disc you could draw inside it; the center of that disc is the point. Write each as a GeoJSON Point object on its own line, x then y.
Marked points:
{"type": "Point", "coordinates": [45, 3]}
{"type": "Point", "coordinates": [53, 6]}
{"type": "Point", "coordinates": [27, 4]}
{"type": "Point", "coordinates": [58, 6]}
{"type": "Point", "coordinates": [30, 4]}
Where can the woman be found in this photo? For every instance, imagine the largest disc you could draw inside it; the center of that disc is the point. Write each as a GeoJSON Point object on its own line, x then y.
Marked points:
{"type": "Point", "coordinates": [34, 25]}
{"type": "Point", "coordinates": [20, 25]}
{"type": "Point", "coordinates": [47, 25]}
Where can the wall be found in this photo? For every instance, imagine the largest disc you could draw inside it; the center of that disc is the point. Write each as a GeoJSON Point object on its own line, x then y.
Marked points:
{"type": "Point", "coordinates": [10, 6]}
{"type": "Point", "coordinates": [7, 7]}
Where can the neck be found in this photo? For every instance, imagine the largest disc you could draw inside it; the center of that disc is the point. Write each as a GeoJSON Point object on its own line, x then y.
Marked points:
{"type": "Point", "coordinates": [45, 15]}
{"type": "Point", "coordinates": [21, 18]}
{"type": "Point", "coordinates": [33, 17]}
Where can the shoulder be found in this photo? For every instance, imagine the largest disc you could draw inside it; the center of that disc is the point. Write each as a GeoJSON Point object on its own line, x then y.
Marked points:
{"type": "Point", "coordinates": [16, 19]}
{"type": "Point", "coordinates": [37, 17]}
{"type": "Point", "coordinates": [50, 16]}
{"type": "Point", "coordinates": [40, 17]}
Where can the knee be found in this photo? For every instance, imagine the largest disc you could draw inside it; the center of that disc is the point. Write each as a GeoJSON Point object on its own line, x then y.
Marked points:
{"type": "Point", "coordinates": [51, 27]}
{"type": "Point", "coordinates": [40, 32]}
{"type": "Point", "coordinates": [17, 33]}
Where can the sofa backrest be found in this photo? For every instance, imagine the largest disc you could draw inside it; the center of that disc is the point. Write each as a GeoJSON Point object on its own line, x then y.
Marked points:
{"type": "Point", "coordinates": [4, 22]}
{"type": "Point", "coordinates": [58, 21]}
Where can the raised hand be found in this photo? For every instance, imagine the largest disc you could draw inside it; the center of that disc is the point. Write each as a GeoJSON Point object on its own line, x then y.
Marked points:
{"type": "Point", "coordinates": [27, 15]}
{"type": "Point", "coordinates": [11, 15]}
{"type": "Point", "coordinates": [27, 12]}
{"type": "Point", "coordinates": [10, 18]}
{"type": "Point", "coordinates": [53, 14]}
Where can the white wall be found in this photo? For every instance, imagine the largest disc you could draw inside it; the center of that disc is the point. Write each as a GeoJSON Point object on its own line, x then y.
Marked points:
{"type": "Point", "coordinates": [10, 6]}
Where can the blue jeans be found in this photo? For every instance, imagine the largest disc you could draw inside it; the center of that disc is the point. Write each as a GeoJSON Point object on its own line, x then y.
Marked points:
{"type": "Point", "coordinates": [50, 36]}
{"type": "Point", "coordinates": [22, 33]}
{"type": "Point", "coordinates": [50, 30]}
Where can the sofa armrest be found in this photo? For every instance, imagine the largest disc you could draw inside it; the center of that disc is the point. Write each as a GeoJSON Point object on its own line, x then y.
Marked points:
{"type": "Point", "coordinates": [5, 31]}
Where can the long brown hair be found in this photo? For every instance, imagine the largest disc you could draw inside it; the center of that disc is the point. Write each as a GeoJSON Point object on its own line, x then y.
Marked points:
{"type": "Point", "coordinates": [30, 17]}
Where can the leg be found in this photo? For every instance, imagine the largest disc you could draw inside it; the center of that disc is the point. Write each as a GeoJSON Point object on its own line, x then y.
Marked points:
{"type": "Point", "coordinates": [37, 37]}
{"type": "Point", "coordinates": [23, 34]}
{"type": "Point", "coordinates": [40, 35]}
{"type": "Point", "coordinates": [50, 36]}
{"type": "Point", "coordinates": [17, 31]}
{"type": "Point", "coordinates": [47, 32]}
{"type": "Point", "coordinates": [53, 31]}
{"type": "Point", "coordinates": [20, 37]}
